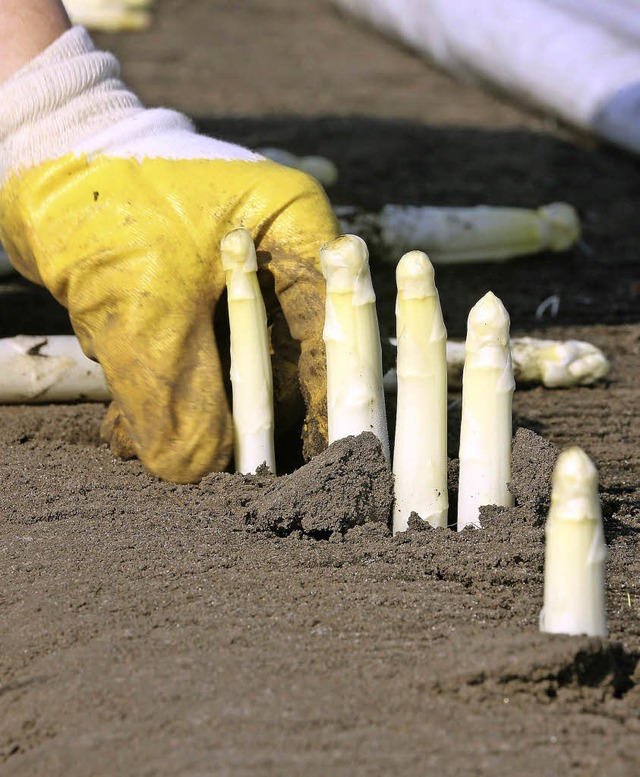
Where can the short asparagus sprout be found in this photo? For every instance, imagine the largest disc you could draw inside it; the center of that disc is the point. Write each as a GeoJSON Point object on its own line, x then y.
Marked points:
{"type": "Point", "coordinates": [251, 377]}
{"type": "Point", "coordinates": [355, 397]}
{"type": "Point", "coordinates": [485, 431]}
{"type": "Point", "coordinates": [420, 450]}
{"type": "Point", "coordinates": [574, 599]}
{"type": "Point", "coordinates": [458, 235]}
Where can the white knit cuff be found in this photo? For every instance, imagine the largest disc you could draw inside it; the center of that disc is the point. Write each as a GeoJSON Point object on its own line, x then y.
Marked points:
{"type": "Point", "coordinates": [67, 93]}
{"type": "Point", "coordinates": [69, 99]}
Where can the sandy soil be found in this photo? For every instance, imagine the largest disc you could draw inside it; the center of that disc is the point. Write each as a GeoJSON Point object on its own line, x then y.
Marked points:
{"type": "Point", "coordinates": [272, 626]}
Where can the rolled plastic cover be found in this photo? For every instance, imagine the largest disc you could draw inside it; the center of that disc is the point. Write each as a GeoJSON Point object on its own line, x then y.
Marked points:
{"type": "Point", "coordinates": [577, 59]}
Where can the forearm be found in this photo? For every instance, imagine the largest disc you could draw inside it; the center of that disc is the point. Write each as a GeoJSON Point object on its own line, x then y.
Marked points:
{"type": "Point", "coordinates": [28, 27]}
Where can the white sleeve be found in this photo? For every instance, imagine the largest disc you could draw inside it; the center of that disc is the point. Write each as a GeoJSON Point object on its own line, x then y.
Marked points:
{"type": "Point", "coordinates": [70, 99]}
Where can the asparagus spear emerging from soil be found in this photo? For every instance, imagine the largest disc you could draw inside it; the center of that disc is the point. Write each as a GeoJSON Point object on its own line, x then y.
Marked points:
{"type": "Point", "coordinates": [355, 398]}
{"type": "Point", "coordinates": [574, 601]}
{"type": "Point", "coordinates": [420, 450]}
{"type": "Point", "coordinates": [251, 377]}
{"type": "Point", "coordinates": [485, 431]}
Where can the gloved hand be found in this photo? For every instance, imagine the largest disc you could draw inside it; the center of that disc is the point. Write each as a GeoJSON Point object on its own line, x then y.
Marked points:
{"type": "Point", "coordinates": [119, 212]}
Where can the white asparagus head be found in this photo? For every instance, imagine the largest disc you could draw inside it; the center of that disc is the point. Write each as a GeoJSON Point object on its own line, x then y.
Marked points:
{"type": "Point", "coordinates": [575, 552]}
{"type": "Point", "coordinates": [415, 276]}
{"type": "Point", "coordinates": [238, 251]}
{"type": "Point", "coordinates": [485, 430]}
{"type": "Point", "coordinates": [561, 225]}
{"type": "Point", "coordinates": [345, 267]}
{"type": "Point", "coordinates": [487, 330]}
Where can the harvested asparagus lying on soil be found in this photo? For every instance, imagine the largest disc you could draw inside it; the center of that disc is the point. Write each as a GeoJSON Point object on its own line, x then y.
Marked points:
{"type": "Point", "coordinates": [251, 377]}
{"type": "Point", "coordinates": [552, 363]}
{"type": "Point", "coordinates": [48, 369]}
{"type": "Point", "coordinates": [485, 430]}
{"type": "Point", "coordinates": [556, 364]}
{"type": "Point", "coordinates": [110, 15]}
{"type": "Point", "coordinates": [321, 168]}
{"type": "Point", "coordinates": [420, 450]}
{"type": "Point", "coordinates": [575, 552]}
{"type": "Point", "coordinates": [448, 235]}
{"type": "Point", "coordinates": [355, 397]}
{"type": "Point", "coordinates": [456, 235]}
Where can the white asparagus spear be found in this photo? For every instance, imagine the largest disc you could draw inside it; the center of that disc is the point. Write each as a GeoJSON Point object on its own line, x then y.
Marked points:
{"type": "Point", "coordinates": [574, 600]}
{"type": "Point", "coordinates": [321, 168]}
{"type": "Point", "coordinates": [485, 429]}
{"type": "Point", "coordinates": [48, 369]}
{"type": "Point", "coordinates": [251, 377]}
{"type": "Point", "coordinates": [110, 15]}
{"type": "Point", "coordinates": [456, 235]}
{"type": "Point", "coordinates": [552, 363]}
{"type": "Point", "coordinates": [448, 235]}
{"type": "Point", "coordinates": [420, 450]}
{"type": "Point", "coordinates": [355, 397]}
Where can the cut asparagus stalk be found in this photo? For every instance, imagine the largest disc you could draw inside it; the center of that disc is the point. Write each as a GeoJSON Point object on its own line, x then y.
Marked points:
{"type": "Point", "coordinates": [251, 377]}
{"type": "Point", "coordinates": [48, 369]}
{"type": "Point", "coordinates": [552, 363]}
{"type": "Point", "coordinates": [485, 430]}
{"type": "Point", "coordinates": [420, 450]}
{"type": "Point", "coordinates": [355, 397]}
{"type": "Point", "coordinates": [457, 235]}
{"type": "Point", "coordinates": [556, 364]}
{"type": "Point", "coordinates": [321, 168]}
{"type": "Point", "coordinates": [448, 235]}
{"type": "Point", "coordinates": [110, 15]}
{"type": "Point", "coordinates": [574, 600]}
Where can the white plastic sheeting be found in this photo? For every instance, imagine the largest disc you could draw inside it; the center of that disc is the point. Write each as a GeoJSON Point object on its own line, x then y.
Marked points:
{"type": "Point", "coordinates": [577, 59]}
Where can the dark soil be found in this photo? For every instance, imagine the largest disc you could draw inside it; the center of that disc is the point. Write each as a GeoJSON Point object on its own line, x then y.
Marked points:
{"type": "Point", "coordinates": [273, 626]}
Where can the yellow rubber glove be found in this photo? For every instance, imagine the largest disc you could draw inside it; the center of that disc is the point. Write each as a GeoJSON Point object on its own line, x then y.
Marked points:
{"type": "Point", "coordinates": [119, 211]}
